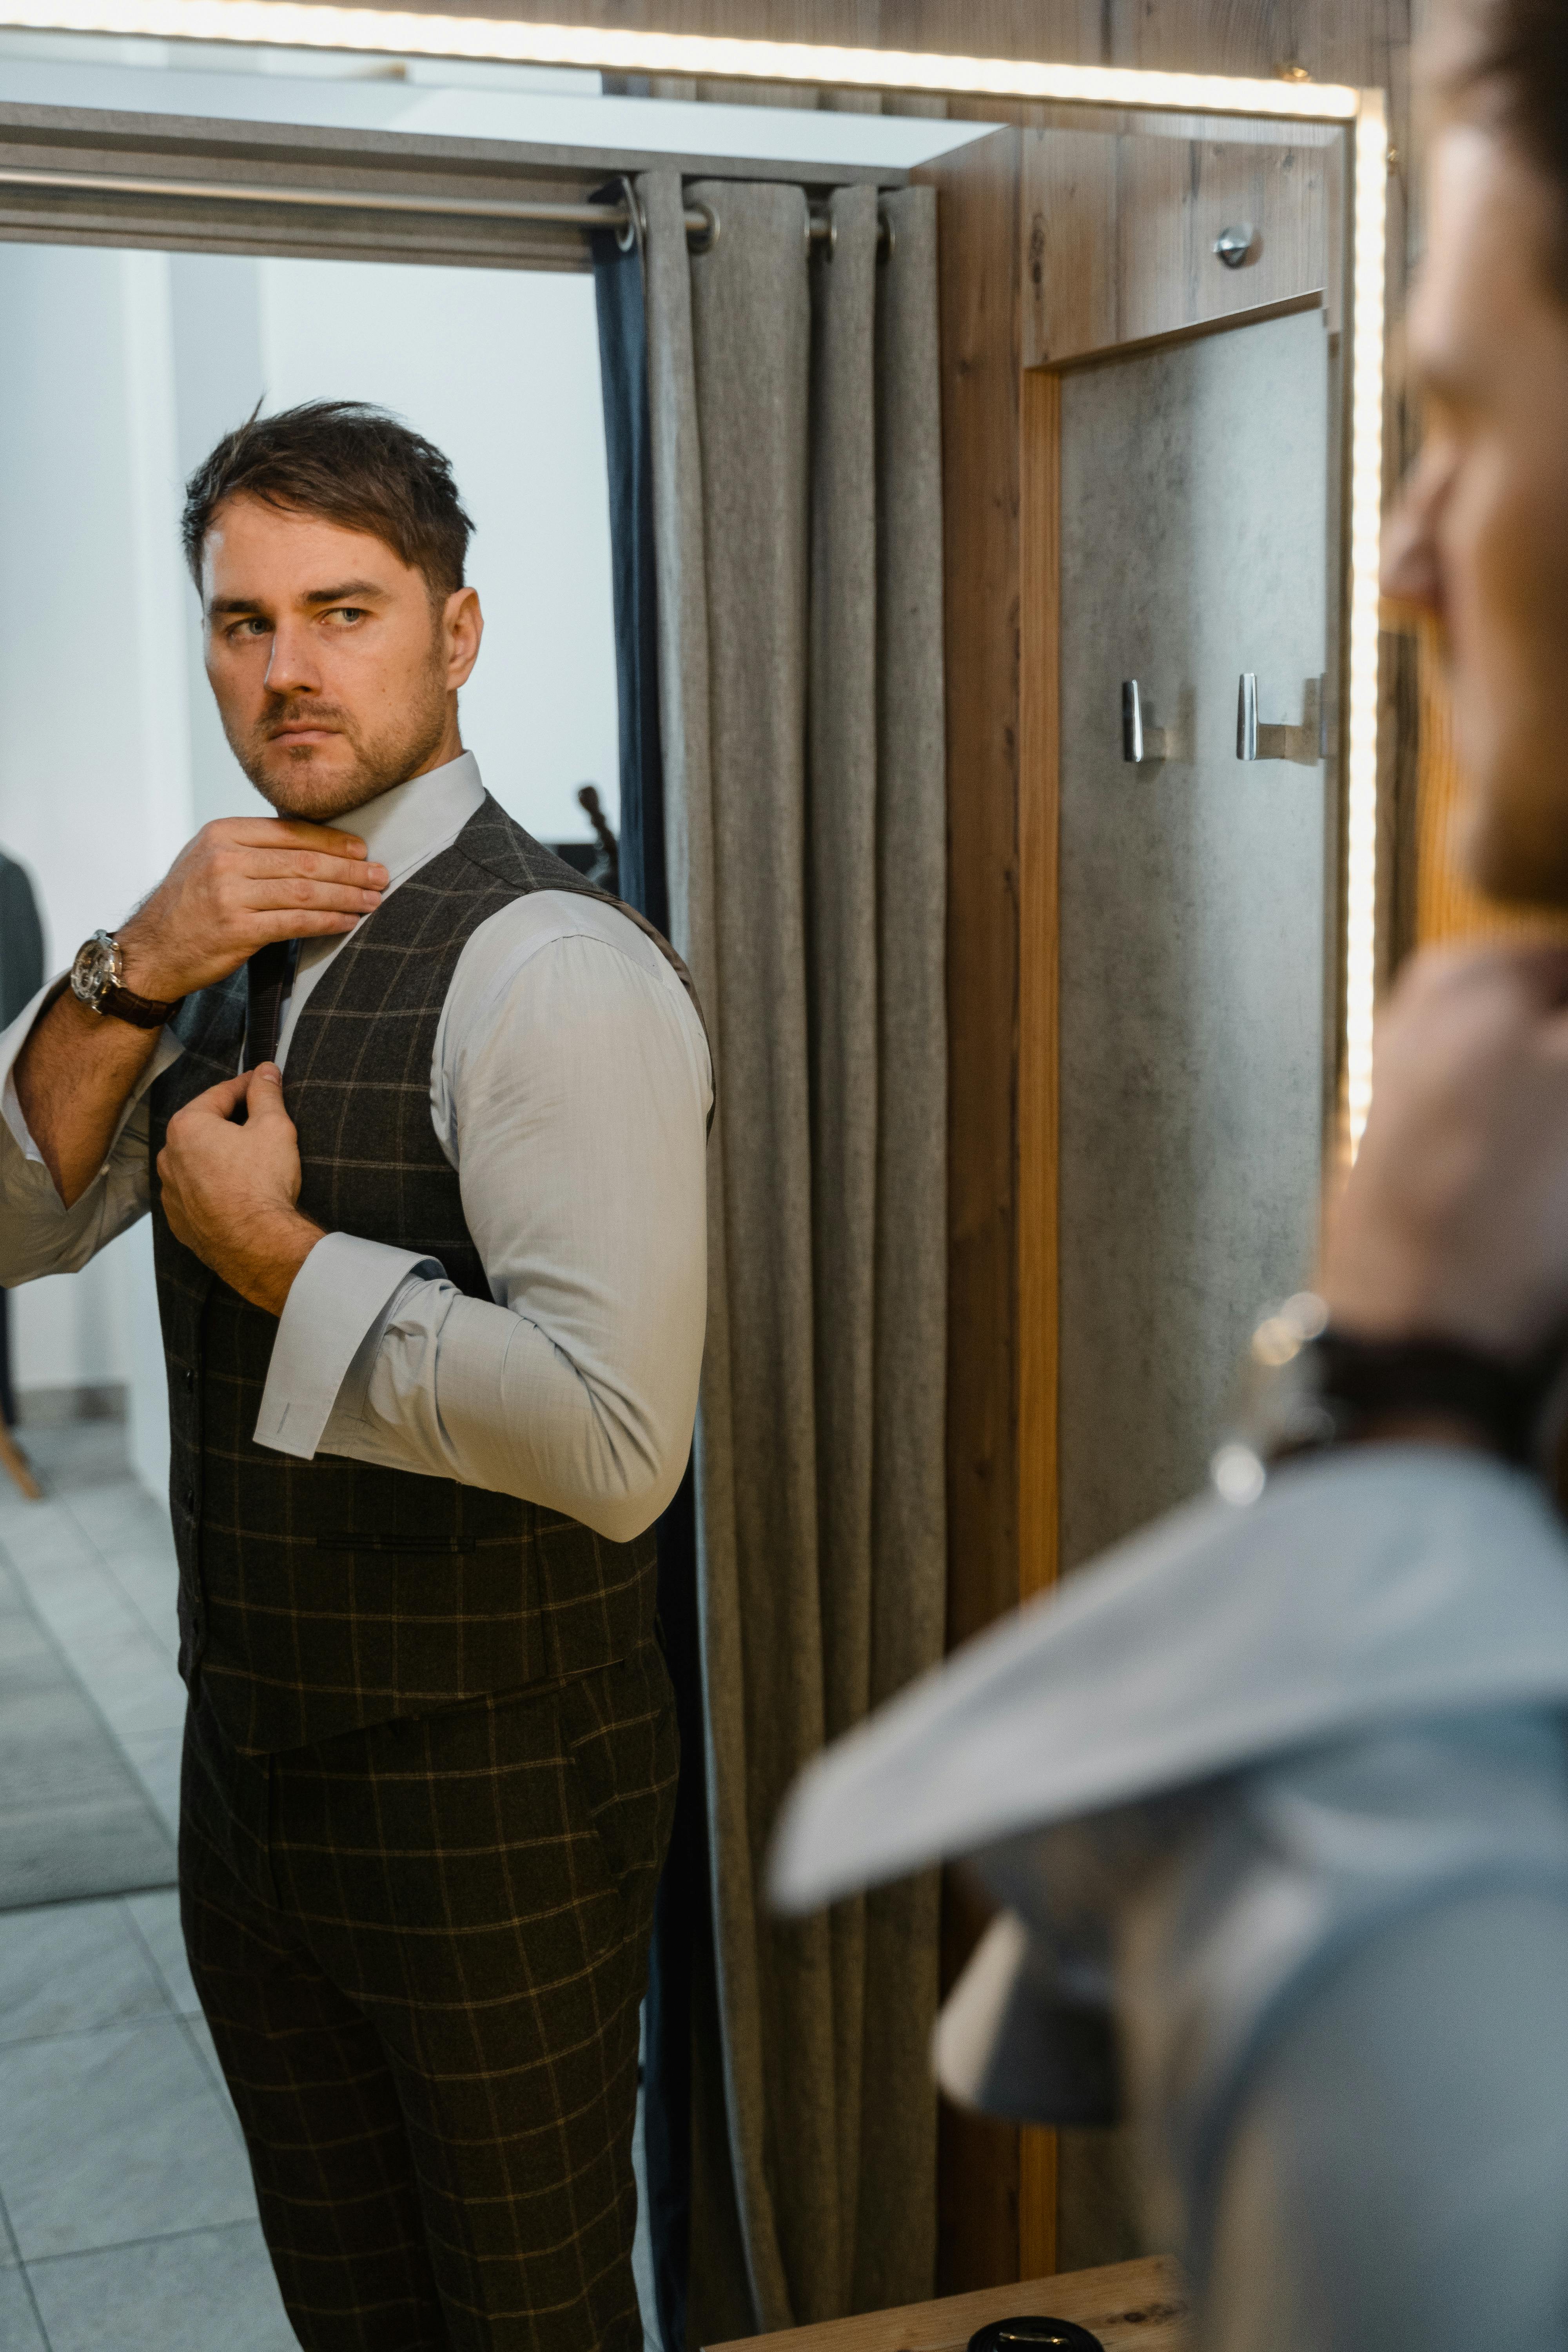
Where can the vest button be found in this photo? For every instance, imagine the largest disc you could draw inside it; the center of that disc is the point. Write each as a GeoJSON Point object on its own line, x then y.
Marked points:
{"type": "Point", "coordinates": [190, 1498]}
{"type": "Point", "coordinates": [190, 1378]}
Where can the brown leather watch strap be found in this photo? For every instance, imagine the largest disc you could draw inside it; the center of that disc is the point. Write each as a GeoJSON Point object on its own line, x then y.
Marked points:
{"type": "Point", "coordinates": [141, 1012]}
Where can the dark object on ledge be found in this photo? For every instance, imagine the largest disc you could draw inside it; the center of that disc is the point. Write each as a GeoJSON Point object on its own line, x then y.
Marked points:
{"type": "Point", "coordinates": [1064, 2333]}
{"type": "Point", "coordinates": [598, 859]}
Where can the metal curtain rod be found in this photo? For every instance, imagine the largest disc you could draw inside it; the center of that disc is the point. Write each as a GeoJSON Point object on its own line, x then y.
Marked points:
{"type": "Point", "coordinates": [702, 222]}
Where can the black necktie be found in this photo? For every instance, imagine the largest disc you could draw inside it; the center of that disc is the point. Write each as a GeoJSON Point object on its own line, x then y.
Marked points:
{"type": "Point", "coordinates": [269, 979]}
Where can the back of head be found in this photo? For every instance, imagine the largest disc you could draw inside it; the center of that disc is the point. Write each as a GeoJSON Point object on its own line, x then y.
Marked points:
{"type": "Point", "coordinates": [1505, 62]}
{"type": "Point", "coordinates": [349, 463]}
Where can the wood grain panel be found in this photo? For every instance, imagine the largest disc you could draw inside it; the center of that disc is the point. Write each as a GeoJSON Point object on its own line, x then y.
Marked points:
{"type": "Point", "coordinates": [1131, 2306]}
{"type": "Point", "coordinates": [1069, 231]}
{"type": "Point", "coordinates": [982, 383]}
{"type": "Point", "coordinates": [1120, 233]}
{"type": "Point", "coordinates": [1038, 1352]}
{"type": "Point", "coordinates": [1040, 828]}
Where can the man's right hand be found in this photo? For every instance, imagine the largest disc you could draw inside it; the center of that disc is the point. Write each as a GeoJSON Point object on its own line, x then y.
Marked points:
{"type": "Point", "coordinates": [242, 883]}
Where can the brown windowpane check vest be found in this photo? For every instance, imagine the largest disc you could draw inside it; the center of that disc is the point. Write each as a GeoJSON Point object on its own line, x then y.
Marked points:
{"type": "Point", "coordinates": [318, 1597]}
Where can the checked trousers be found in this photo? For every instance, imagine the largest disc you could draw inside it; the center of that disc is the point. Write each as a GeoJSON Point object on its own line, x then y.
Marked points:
{"type": "Point", "coordinates": [421, 1949]}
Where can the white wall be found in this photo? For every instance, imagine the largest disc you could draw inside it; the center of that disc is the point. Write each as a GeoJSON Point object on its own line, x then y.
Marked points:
{"type": "Point", "coordinates": [94, 764]}
{"type": "Point", "coordinates": [122, 370]}
{"type": "Point", "coordinates": [500, 369]}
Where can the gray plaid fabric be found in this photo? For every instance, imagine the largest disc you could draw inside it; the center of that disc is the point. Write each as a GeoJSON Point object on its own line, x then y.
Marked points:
{"type": "Point", "coordinates": [320, 1596]}
{"type": "Point", "coordinates": [422, 1949]}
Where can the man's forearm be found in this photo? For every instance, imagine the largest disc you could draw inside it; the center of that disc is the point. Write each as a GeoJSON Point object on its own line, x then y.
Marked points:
{"type": "Point", "coordinates": [74, 1077]}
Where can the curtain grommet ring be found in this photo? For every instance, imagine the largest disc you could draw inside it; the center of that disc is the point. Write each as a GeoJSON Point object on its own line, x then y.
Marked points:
{"type": "Point", "coordinates": [705, 235]}
{"type": "Point", "coordinates": [885, 238]}
{"type": "Point", "coordinates": [632, 234]}
{"type": "Point", "coordinates": [822, 228]}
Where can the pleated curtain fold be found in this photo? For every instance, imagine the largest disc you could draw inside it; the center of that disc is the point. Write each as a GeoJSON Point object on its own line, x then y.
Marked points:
{"type": "Point", "coordinates": [793, 424]}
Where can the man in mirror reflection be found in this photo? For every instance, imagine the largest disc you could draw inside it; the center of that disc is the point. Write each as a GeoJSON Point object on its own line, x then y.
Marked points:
{"type": "Point", "coordinates": [419, 1116]}
{"type": "Point", "coordinates": [1274, 1800]}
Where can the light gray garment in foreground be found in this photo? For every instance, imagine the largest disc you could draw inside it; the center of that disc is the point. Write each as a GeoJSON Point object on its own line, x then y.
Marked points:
{"type": "Point", "coordinates": [795, 406]}
{"type": "Point", "coordinates": [569, 1088]}
{"type": "Point", "coordinates": [1424, 2212]}
{"type": "Point", "coordinates": [1290, 1785]}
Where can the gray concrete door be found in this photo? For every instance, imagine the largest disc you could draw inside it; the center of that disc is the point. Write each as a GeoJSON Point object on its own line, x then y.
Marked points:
{"type": "Point", "coordinates": [1194, 509]}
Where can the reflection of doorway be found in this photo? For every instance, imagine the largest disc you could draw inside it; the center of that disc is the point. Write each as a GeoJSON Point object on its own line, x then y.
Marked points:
{"type": "Point", "coordinates": [121, 2173]}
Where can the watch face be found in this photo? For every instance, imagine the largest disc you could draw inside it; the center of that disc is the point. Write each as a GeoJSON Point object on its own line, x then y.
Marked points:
{"type": "Point", "coordinates": [92, 973]}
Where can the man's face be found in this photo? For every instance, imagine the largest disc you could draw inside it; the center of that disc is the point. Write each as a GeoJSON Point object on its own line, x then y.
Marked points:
{"type": "Point", "coordinates": [1479, 543]}
{"type": "Point", "coordinates": [336, 671]}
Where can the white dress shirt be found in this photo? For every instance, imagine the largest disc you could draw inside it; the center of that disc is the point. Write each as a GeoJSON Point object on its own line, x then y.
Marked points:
{"type": "Point", "coordinates": [569, 1087]}
{"type": "Point", "coordinates": [1287, 1785]}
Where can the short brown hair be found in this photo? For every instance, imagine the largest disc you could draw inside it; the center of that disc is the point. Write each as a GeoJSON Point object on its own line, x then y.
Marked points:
{"type": "Point", "coordinates": [1509, 58]}
{"type": "Point", "coordinates": [349, 463]}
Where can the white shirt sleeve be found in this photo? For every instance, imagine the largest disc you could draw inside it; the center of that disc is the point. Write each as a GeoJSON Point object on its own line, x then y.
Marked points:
{"type": "Point", "coordinates": [571, 1089]}
{"type": "Point", "coordinates": [38, 1234]}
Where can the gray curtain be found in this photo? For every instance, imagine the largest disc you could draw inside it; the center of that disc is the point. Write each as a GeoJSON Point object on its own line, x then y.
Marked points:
{"type": "Point", "coordinates": [794, 413]}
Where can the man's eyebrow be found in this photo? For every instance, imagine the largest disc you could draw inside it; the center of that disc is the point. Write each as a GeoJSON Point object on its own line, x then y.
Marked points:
{"type": "Point", "coordinates": [352, 592]}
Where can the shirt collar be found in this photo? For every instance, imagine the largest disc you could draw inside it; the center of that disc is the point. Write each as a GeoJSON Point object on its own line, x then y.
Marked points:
{"type": "Point", "coordinates": [402, 827]}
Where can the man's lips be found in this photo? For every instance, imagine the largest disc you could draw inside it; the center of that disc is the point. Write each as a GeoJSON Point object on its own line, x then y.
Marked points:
{"type": "Point", "coordinates": [304, 730]}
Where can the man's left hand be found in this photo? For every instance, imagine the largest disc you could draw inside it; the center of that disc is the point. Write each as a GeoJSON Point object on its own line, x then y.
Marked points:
{"type": "Point", "coordinates": [229, 1191]}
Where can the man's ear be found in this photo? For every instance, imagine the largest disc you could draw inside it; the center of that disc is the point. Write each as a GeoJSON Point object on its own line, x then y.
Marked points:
{"type": "Point", "coordinates": [463, 625]}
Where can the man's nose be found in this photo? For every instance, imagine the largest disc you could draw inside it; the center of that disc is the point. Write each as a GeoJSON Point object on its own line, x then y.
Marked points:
{"type": "Point", "coordinates": [292, 667]}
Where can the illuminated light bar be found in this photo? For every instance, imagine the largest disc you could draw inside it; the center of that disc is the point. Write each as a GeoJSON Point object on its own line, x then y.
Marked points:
{"type": "Point", "coordinates": [1366, 552]}
{"type": "Point", "coordinates": [288, 23]}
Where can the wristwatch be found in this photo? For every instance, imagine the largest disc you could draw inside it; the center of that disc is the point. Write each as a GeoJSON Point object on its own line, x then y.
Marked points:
{"type": "Point", "coordinates": [95, 982]}
{"type": "Point", "coordinates": [1306, 1387]}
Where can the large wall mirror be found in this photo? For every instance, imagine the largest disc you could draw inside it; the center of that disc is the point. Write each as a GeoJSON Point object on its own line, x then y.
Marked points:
{"type": "Point", "coordinates": [1145, 562]}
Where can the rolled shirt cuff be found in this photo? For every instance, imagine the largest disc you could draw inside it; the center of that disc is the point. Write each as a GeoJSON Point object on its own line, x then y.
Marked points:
{"type": "Point", "coordinates": [340, 1297]}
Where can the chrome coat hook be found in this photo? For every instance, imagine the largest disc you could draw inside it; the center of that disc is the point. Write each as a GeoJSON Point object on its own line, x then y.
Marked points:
{"type": "Point", "coordinates": [1258, 739]}
{"type": "Point", "coordinates": [1141, 742]}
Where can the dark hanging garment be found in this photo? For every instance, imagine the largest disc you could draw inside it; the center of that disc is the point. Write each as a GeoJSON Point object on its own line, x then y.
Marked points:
{"type": "Point", "coordinates": [21, 940]}
{"type": "Point", "coordinates": [21, 977]}
{"type": "Point", "coordinates": [682, 1933]}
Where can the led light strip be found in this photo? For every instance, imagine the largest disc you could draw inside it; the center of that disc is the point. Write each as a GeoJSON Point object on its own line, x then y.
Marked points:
{"type": "Point", "coordinates": [408, 33]}
{"type": "Point", "coordinates": [294, 23]}
{"type": "Point", "coordinates": [1365, 553]}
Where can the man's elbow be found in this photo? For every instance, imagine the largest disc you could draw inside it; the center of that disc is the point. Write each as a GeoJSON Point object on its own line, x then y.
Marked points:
{"type": "Point", "coordinates": [626, 1507]}
{"type": "Point", "coordinates": [626, 1516]}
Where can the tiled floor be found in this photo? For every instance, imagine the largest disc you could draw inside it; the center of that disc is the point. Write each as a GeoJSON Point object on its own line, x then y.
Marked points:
{"type": "Point", "coordinates": [127, 2218]}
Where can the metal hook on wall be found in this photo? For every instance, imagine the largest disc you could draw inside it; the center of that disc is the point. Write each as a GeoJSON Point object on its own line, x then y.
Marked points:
{"type": "Point", "coordinates": [1142, 741]}
{"type": "Point", "coordinates": [1257, 738]}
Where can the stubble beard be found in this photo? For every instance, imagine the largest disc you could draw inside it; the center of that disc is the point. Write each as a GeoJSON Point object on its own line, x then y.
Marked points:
{"type": "Point", "coordinates": [294, 781]}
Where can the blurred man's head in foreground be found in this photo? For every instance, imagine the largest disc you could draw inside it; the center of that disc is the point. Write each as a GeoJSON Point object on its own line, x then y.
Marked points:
{"type": "Point", "coordinates": [1480, 541]}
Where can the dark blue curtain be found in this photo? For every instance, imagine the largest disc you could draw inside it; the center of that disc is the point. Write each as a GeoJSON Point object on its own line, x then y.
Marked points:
{"type": "Point", "coordinates": [681, 1917]}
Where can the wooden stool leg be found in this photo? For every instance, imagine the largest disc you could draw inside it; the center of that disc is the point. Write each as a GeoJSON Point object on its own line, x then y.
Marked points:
{"type": "Point", "coordinates": [16, 1462]}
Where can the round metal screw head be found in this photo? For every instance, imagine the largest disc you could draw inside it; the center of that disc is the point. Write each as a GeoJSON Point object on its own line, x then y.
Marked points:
{"type": "Point", "coordinates": [1233, 246]}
